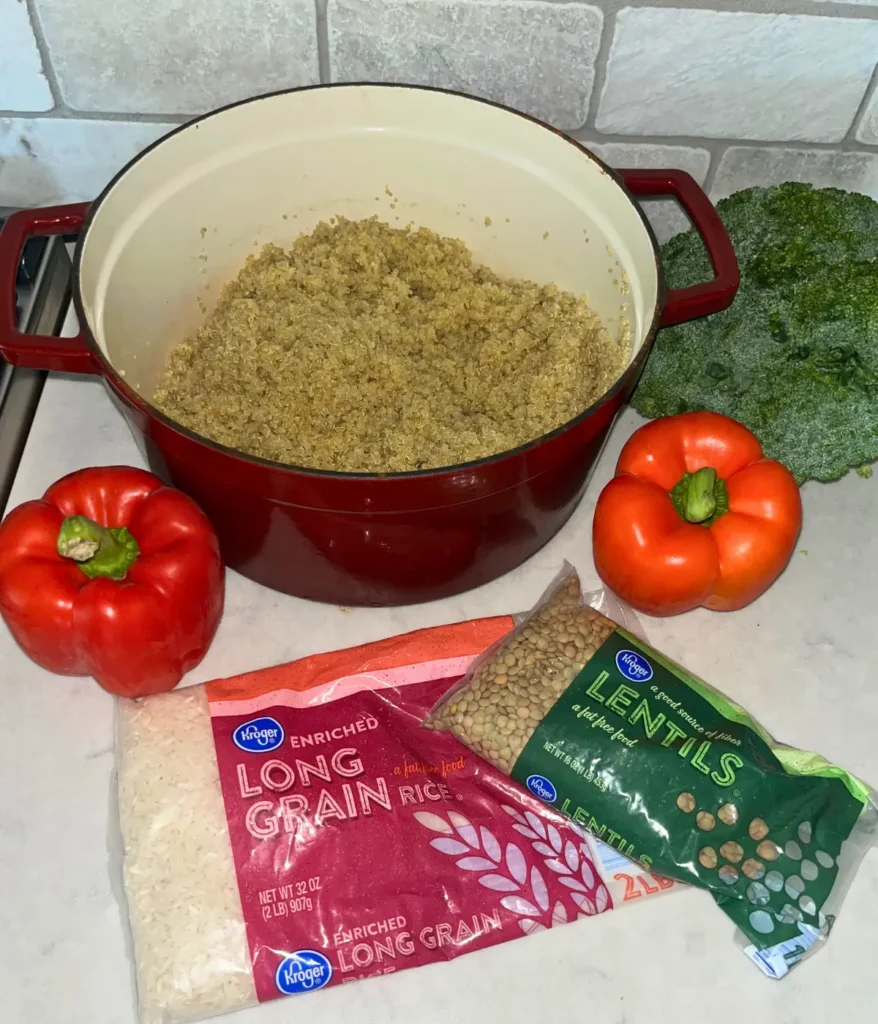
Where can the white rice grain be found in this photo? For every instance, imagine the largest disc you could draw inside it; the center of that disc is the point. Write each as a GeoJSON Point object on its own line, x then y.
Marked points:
{"type": "Point", "coordinates": [190, 945]}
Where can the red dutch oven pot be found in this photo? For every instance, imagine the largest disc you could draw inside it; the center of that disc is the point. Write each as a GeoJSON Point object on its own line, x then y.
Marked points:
{"type": "Point", "coordinates": [178, 221]}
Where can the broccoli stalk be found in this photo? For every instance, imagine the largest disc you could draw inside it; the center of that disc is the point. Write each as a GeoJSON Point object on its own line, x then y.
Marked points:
{"type": "Point", "coordinates": [795, 357]}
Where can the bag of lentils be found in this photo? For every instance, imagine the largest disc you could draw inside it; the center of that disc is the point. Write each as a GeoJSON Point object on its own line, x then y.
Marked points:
{"type": "Point", "coordinates": [668, 771]}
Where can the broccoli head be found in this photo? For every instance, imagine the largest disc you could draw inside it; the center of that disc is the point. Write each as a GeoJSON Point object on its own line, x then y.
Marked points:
{"type": "Point", "coordinates": [795, 357]}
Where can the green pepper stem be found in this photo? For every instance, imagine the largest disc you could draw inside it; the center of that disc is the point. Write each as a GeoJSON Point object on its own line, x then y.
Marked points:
{"type": "Point", "coordinates": [700, 497]}
{"type": "Point", "coordinates": [699, 502]}
{"type": "Point", "coordinates": [97, 550]}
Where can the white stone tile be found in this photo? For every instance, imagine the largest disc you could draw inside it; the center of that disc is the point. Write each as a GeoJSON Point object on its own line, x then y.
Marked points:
{"type": "Point", "coordinates": [868, 128]}
{"type": "Point", "coordinates": [23, 85]}
{"type": "Point", "coordinates": [647, 154]}
{"type": "Point", "coordinates": [167, 57]}
{"type": "Point", "coordinates": [535, 56]}
{"type": "Point", "coordinates": [744, 166]}
{"type": "Point", "coordinates": [666, 217]}
{"type": "Point", "coordinates": [59, 160]}
{"type": "Point", "coordinates": [736, 75]}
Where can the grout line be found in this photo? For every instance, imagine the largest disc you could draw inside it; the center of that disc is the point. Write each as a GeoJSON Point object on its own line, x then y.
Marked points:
{"type": "Point", "coordinates": [851, 137]}
{"type": "Point", "coordinates": [43, 50]}
{"type": "Point", "coordinates": [706, 141]}
{"type": "Point", "coordinates": [608, 31]}
{"type": "Point", "coordinates": [323, 61]}
{"type": "Point", "coordinates": [710, 143]}
{"type": "Point", "coordinates": [64, 113]}
{"type": "Point", "coordinates": [716, 158]}
{"type": "Point", "coordinates": [807, 8]}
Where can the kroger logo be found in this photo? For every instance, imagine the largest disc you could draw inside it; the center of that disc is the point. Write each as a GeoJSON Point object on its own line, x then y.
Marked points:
{"type": "Point", "coordinates": [259, 735]}
{"type": "Point", "coordinates": [633, 666]}
{"type": "Point", "coordinates": [302, 971]}
{"type": "Point", "coordinates": [540, 786]}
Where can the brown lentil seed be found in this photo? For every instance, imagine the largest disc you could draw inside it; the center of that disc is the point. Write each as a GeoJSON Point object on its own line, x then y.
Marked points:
{"type": "Point", "coordinates": [753, 868]}
{"type": "Point", "coordinates": [732, 851]}
{"type": "Point", "coordinates": [686, 802]}
{"type": "Point", "coordinates": [705, 821]}
{"type": "Point", "coordinates": [758, 829]}
{"type": "Point", "coordinates": [728, 814]}
{"type": "Point", "coordinates": [768, 850]}
{"type": "Point", "coordinates": [707, 857]}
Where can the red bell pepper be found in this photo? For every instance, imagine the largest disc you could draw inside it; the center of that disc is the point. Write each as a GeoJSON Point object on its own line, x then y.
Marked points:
{"type": "Point", "coordinates": [695, 515]}
{"type": "Point", "coordinates": [113, 575]}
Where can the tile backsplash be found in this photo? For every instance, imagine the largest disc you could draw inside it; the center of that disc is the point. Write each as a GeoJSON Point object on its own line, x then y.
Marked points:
{"type": "Point", "coordinates": [735, 92]}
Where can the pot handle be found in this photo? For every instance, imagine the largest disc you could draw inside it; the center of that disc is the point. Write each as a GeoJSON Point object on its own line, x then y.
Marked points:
{"type": "Point", "coordinates": [34, 351]}
{"type": "Point", "coordinates": [713, 296]}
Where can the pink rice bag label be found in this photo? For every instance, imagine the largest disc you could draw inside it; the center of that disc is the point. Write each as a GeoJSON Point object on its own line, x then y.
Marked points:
{"type": "Point", "coordinates": [365, 843]}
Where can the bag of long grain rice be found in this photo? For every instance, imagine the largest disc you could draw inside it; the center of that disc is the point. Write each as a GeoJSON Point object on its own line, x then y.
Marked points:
{"type": "Point", "coordinates": [296, 828]}
{"type": "Point", "coordinates": [601, 727]}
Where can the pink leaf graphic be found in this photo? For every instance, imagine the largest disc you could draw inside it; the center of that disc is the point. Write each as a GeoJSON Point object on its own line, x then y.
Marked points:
{"type": "Point", "coordinates": [557, 867]}
{"type": "Point", "coordinates": [573, 883]}
{"type": "Point", "coordinates": [526, 832]}
{"type": "Point", "coordinates": [499, 883]}
{"type": "Point", "coordinates": [544, 850]}
{"type": "Point", "coordinates": [511, 811]}
{"type": "Point", "coordinates": [433, 822]}
{"type": "Point", "coordinates": [571, 856]}
{"type": "Point", "coordinates": [602, 898]}
{"type": "Point", "coordinates": [555, 838]}
{"type": "Point", "coordinates": [476, 864]}
{"type": "Point", "coordinates": [559, 914]}
{"type": "Point", "coordinates": [584, 903]}
{"type": "Point", "coordinates": [490, 845]}
{"type": "Point", "coordinates": [464, 829]}
{"type": "Point", "coordinates": [587, 873]}
{"type": "Point", "coordinates": [538, 885]}
{"type": "Point", "coordinates": [450, 846]}
{"type": "Point", "coordinates": [534, 823]}
{"type": "Point", "coordinates": [576, 829]}
{"type": "Point", "coordinates": [516, 863]}
{"type": "Point", "coordinates": [530, 927]}
{"type": "Point", "coordinates": [519, 905]}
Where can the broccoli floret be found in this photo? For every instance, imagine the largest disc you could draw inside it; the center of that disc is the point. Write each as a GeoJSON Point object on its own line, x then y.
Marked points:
{"type": "Point", "coordinates": [795, 357]}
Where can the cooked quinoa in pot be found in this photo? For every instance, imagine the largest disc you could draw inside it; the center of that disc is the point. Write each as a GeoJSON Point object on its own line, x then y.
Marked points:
{"type": "Point", "coordinates": [367, 348]}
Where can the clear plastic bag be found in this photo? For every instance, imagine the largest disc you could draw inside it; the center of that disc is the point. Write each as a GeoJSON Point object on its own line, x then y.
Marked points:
{"type": "Point", "coordinates": [579, 710]}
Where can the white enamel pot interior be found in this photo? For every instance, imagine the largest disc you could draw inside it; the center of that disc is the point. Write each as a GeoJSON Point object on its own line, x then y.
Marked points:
{"type": "Point", "coordinates": [180, 221]}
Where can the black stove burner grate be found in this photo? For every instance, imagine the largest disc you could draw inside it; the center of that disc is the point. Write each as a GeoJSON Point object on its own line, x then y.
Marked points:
{"type": "Point", "coordinates": [42, 294]}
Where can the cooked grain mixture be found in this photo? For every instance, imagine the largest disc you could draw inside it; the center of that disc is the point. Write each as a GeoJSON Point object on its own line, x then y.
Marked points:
{"type": "Point", "coordinates": [371, 348]}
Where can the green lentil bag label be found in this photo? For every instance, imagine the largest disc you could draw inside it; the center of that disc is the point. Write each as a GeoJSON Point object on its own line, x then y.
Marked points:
{"type": "Point", "coordinates": [650, 760]}
{"type": "Point", "coordinates": [666, 770]}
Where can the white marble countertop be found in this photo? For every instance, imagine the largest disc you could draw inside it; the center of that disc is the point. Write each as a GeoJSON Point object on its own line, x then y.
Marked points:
{"type": "Point", "coordinates": [802, 659]}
